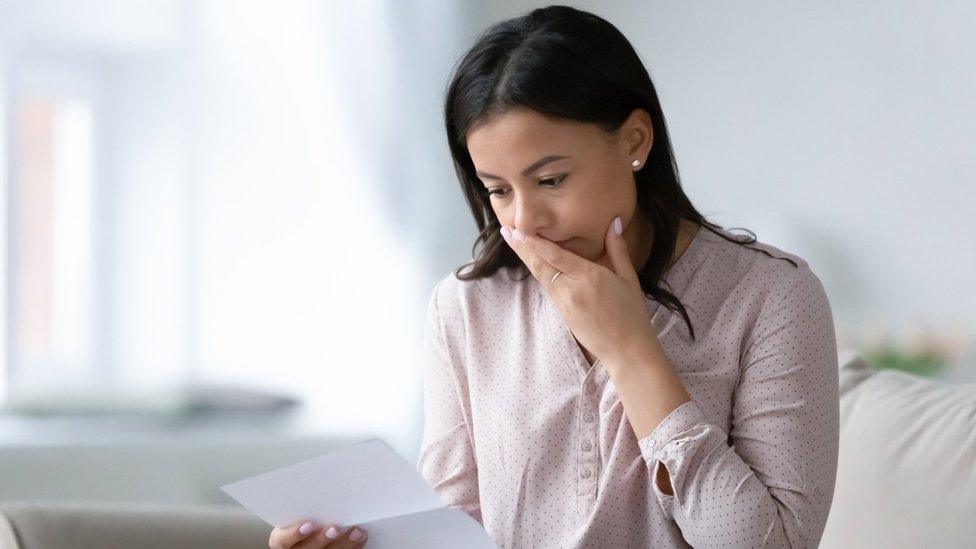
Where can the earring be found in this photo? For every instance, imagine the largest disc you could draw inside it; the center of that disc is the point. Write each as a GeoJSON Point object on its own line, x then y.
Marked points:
{"type": "Point", "coordinates": [635, 163]}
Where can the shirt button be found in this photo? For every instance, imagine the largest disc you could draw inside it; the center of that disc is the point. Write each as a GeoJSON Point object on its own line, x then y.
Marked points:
{"type": "Point", "coordinates": [652, 442]}
{"type": "Point", "coordinates": [587, 446]}
{"type": "Point", "coordinates": [588, 417]}
{"type": "Point", "coordinates": [591, 389]}
{"type": "Point", "coordinates": [585, 473]}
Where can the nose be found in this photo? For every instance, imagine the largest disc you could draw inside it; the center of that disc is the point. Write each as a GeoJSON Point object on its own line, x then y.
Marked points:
{"type": "Point", "coordinates": [531, 213]}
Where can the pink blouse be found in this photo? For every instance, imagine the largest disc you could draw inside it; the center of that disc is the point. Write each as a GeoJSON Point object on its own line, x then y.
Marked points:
{"type": "Point", "coordinates": [530, 440]}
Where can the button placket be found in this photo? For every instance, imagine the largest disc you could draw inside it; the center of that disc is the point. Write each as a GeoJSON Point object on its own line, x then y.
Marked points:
{"type": "Point", "coordinates": [588, 471]}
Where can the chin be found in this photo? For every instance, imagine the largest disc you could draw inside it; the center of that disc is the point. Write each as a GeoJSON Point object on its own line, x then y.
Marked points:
{"type": "Point", "coordinates": [583, 252]}
{"type": "Point", "coordinates": [579, 249]}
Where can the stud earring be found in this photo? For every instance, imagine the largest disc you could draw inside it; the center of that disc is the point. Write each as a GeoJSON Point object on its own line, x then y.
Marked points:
{"type": "Point", "coordinates": [635, 163]}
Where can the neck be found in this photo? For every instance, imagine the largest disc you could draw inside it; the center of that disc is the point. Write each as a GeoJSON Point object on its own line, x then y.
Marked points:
{"type": "Point", "coordinates": [640, 241]}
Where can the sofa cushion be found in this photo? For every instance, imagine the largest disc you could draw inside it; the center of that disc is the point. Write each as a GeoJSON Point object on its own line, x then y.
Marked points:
{"type": "Point", "coordinates": [907, 462]}
{"type": "Point", "coordinates": [39, 525]}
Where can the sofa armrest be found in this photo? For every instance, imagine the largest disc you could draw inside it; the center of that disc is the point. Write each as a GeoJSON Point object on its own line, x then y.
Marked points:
{"type": "Point", "coordinates": [47, 525]}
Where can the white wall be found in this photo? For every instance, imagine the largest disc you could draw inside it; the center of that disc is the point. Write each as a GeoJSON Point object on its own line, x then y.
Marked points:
{"type": "Point", "coordinates": [839, 131]}
{"type": "Point", "coordinates": [240, 232]}
{"type": "Point", "coordinates": [280, 196]}
{"type": "Point", "coordinates": [301, 283]}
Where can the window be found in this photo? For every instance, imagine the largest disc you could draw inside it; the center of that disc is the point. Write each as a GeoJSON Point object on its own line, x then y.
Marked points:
{"type": "Point", "coordinates": [50, 239]}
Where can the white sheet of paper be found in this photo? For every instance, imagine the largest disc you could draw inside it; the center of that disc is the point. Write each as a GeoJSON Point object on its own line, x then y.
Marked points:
{"type": "Point", "coordinates": [369, 485]}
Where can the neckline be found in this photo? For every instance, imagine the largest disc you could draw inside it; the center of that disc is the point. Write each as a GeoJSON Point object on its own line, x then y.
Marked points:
{"type": "Point", "coordinates": [561, 338]}
{"type": "Point", "coordinates": [683, 259]}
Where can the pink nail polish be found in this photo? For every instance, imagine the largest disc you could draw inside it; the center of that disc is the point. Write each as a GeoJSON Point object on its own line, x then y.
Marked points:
{"type": "Point", "coordinates": [506, 234]}
{"type": "Point", "coordinates": [618, 226]}
{"type": "Point", "coordinates": [356, 534]}
{"type": "Point", "coordinates": [332, 533]}
{"type": "Point", "coordinates": [518, 235]}
{"type": "Point", "coordinates": [305, 528]}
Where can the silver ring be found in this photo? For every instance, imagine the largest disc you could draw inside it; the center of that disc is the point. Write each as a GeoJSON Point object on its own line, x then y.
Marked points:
{"type": "Point", "coordinates": [554, 277]}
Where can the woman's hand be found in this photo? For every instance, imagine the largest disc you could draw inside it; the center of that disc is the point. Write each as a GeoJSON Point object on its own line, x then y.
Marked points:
{"type": "Point", "coordinates": [305, 535]}
{"type": "Point", "coordinates": [601, 303]}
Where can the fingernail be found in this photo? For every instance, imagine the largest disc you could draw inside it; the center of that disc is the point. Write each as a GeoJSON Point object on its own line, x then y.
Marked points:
{"type": "Point", "coordinates": [332, 533]}
{"type": "Point", "coordinates": [356, 534]}
{"type": "Point", "coordinates": [305, 528]}
{"type": "Point", "coordinates": [506, 234]}
{"type": "Point", "coordinates": [618, 226]}
{"type": "Point", "coordinates": [518, 235]}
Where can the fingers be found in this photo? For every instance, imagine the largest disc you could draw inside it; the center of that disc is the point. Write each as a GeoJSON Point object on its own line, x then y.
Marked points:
{"type": "Point", "coordinates": [619, 256]}
{"type": "Point", "coordinates": [284, 537]}
{"type": "Point", "coordinates": [514, 240]}
{"type": "Point", "coordinates": [347, 541]}
{"type": "Point", "coordinates": [350, 538]}
{"type": "Point", "coordinates": [544, 257]}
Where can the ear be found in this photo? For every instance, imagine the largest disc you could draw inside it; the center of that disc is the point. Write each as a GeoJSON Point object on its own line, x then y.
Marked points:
{"type": "Point", "coordinates": [637, 136]}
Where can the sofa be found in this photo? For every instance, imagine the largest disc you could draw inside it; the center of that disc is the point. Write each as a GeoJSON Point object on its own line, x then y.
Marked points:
{"type": "Point", "coordinates": [906, 471]}
{"type": "Point", "coordinates": [113, 526]}
{"type": "Point", "coordinates": [906, 479]}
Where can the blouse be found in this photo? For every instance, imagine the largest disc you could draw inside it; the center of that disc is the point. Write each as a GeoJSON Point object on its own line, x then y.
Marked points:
{"type": "Point", "coordinates": [529, 439]}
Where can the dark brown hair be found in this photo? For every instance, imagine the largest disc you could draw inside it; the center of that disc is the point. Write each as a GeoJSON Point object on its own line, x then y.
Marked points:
{"type": "Point", "coordinates": [565, 63]}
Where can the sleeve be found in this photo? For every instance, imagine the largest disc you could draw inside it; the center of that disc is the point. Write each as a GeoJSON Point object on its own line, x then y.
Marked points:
{"type": "Point", "coordinates": [446, 459]}
{"type": "Point", "coordinates": [771, 482]}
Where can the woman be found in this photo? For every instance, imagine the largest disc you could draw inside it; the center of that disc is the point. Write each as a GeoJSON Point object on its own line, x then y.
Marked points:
{"type": "Point", "coordinates": [570, 408]}
{"type": "Point", "coordinates": [613, 370]}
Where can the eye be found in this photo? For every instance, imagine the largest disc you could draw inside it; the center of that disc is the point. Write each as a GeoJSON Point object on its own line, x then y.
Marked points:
{"type": "Point", "coordinates": [550, 182]}
{"type": "Point", "coordinates": [553, 181]}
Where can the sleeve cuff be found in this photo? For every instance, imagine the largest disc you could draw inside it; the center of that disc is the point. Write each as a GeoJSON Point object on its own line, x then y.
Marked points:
{"type": "Point", "coordinates": [680, 419]}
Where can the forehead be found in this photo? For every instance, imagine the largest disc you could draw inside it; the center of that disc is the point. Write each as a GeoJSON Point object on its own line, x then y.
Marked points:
{"type": "Point", "coordinates": [523, 132]}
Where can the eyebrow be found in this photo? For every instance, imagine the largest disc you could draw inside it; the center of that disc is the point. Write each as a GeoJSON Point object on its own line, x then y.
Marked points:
{"type": "Point", "coordinates": [533, 167]}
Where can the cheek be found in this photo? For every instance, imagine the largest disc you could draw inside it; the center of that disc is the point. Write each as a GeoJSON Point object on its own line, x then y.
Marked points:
{"type": "Point", "coordinates": [587, 217]}
{"type": "Point", "coordinates": [584, 215]}
{"type": "Point", "coordinates": [502, 215]}
{"type": "Point", "coordinates": [593, 217]}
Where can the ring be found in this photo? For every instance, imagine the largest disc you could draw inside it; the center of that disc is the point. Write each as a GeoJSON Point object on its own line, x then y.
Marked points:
{"type": "Point", "coordinates": [554, 277]}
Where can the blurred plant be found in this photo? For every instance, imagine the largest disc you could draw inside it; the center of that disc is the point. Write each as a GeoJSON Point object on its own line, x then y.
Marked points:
{"type": "Point", "coordinates": [928, 363]}
{"type": "Point", "coordinates": [925, 352]}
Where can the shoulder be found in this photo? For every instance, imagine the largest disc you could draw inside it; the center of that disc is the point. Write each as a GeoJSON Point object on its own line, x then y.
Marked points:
{"type": "Point", "coordinates": [781, 284]}
{"type": "Point", "coordinates": [463, 300]}
{"type": "Point", "coordinates": [756, 263]}
{"type": "Point", "coordinates": [755, 253]}
{"type": "Point", "coordinates": [765, 277]}
{"type": "Point", "coordinates": [451, 290]}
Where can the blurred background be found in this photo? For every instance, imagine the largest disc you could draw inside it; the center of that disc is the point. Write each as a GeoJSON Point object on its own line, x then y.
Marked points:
{"type": "Point", "coordinates": [222, 220]}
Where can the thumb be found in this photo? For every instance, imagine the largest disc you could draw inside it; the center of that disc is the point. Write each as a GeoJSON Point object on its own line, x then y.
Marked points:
{"type": "Point", "coordinates": [619, 256]}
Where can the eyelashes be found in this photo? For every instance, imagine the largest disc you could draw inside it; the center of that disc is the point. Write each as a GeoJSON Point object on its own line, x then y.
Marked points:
{"type": "Point", "coordinates": [550, 182]}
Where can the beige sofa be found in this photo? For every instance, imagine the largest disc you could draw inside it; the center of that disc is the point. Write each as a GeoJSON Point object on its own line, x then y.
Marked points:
{"type": "Point", "coordinates": [906, 473]}
{"type": "Point", "coordinates": [906, 478]}
{"type": "Point", "coordinates": [105, 526]}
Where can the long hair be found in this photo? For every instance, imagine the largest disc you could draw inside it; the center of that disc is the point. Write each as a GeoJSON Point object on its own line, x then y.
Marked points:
{"type": "Point", "coordinates": [565, 63]}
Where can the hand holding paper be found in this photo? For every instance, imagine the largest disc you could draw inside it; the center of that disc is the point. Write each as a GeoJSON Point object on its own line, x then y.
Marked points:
{"type": "Point", "coordinates": [365, 484]}
{"type": "Point", "coordinates": [307, 535]}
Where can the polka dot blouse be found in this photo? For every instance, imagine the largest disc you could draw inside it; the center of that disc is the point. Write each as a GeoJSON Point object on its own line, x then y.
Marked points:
{"type": "Point", "coordinates": [527, 437]}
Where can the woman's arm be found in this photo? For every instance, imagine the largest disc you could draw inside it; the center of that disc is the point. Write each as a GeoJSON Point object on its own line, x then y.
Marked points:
{"type": "Point", "coordinates": [772, 487]}
{"type": "Point", "coordinates": [649, 390]}
{"type": "Point", "coordinates": [446, 459]}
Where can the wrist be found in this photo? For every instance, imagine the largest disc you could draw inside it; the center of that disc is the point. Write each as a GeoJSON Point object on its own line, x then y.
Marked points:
{"type": "Point", "coordinates": [642, 354]}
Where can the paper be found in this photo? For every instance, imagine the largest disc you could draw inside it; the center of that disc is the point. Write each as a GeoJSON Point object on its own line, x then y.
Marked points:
{"type": "Point", "coordinates": [368, 485]}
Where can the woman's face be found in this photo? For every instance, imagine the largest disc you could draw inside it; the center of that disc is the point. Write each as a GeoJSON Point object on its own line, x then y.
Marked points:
{"type": "Point", "coordinates": [564, 180]}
